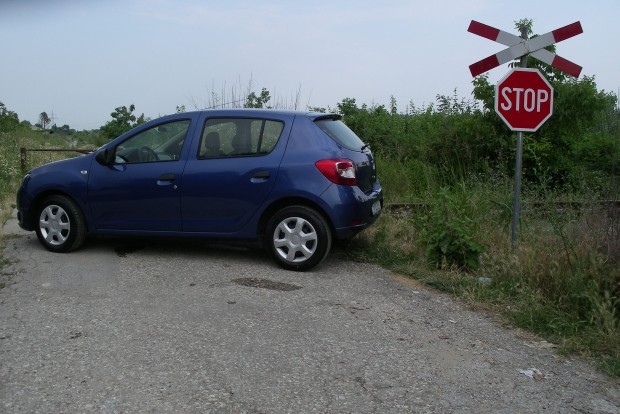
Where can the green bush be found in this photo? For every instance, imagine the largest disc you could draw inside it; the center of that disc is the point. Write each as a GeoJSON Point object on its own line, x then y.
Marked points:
{"type": "Point", "coordinates": [449, 229]}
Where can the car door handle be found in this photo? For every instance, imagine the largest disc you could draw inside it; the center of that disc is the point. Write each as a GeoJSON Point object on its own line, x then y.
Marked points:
{"type": "Point", "coordinates": [167, 177]}
{"type": "Point", "coordinates": [166, 180]}
{"type": "Point", "coordinates": [260, 176]}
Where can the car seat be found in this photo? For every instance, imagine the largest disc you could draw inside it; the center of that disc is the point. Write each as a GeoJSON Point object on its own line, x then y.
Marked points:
{"type": "Point", "coordinates": [212, 145]}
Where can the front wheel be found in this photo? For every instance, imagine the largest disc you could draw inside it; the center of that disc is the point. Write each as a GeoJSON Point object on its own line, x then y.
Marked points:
{"type": "Point", "coordinates": [298, 237]}
{"type": "Point", "coordinates": [60, 226]}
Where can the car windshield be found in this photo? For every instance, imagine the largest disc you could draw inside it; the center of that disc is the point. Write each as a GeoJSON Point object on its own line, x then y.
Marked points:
{"type": "Point", "coordinates": [340, 133]}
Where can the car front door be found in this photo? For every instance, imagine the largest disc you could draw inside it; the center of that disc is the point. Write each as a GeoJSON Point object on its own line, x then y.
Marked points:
{"type": "Point", "coordinates": [139, 191]}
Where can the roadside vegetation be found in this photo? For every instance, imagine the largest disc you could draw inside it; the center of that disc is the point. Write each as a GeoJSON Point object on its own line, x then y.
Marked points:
{"type": "Point", "coordinates": [453, 163]}
{"type": "Point", "coordinates": [450, 166]}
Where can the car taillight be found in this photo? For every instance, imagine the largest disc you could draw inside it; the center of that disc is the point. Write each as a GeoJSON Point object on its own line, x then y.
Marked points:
{"type": "Point", "coordinates": [338, 171]}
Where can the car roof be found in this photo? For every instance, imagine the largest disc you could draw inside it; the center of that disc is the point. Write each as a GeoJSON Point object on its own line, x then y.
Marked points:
{"type": "Point", "coordinates": [260, 111]}
{"type": "Point", "coordinates": [239, 112]}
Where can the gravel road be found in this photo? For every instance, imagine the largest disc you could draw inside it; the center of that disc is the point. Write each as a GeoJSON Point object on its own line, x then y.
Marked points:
{"type": "Point", "coordinates": [138, 327]}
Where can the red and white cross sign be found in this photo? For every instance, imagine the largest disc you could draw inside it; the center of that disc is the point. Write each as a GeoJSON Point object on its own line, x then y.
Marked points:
{"type": "Point", "coordinates": [519, 47]}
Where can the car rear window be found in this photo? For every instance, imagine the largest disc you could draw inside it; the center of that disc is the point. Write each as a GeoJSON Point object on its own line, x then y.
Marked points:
{"type": "Point", "coordinates": [340, 133]}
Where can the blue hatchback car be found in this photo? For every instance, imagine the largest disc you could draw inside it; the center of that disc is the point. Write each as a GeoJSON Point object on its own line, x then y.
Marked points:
{"type": "Point", "coordinates": [291, 180]}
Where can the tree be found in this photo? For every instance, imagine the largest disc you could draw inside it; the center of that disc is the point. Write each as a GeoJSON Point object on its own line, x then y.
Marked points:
{"type": "Point", "coordinates": [551, 153]}
{"type": "Point", "coordinates": [64, 130]}
{"type": "Point", "coordinates": [123, 120]}
{"type": "Point", "coordinates": [551, 73]}
{"type": "Point", "coordinates": [44, 120]}
{"type": "Point", "coordinates": [8, 119]}
{"type": "Point", "coordinates": [258, 101]}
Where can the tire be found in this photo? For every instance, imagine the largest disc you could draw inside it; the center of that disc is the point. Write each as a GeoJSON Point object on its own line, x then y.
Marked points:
{"type": "Point", "coordinates": [298, 238]}
{"type": "Point", "coordinates": [60, 224]}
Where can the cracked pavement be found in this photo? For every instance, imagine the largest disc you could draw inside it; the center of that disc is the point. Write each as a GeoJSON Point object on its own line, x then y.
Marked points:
{"type": "Point", "coordinates": [181, 327]}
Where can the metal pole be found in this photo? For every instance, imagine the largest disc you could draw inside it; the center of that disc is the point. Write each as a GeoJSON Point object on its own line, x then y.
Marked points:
{"type": "Point", "coordinates": [516, 208]}
{"type": "Point", "coordinates": [23, 154]}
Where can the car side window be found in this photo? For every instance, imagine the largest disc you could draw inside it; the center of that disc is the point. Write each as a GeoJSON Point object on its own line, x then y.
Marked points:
{"type": "Point", "coordinates": [238, 137]}
{"type": "Point", "coordinates": [159, 143]}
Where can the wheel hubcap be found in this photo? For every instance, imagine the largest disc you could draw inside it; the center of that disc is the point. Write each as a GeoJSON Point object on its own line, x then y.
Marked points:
{"type": "Point", "coordinates": [295, 239]}
{"type": "Point", "coordinates": [54, 225]}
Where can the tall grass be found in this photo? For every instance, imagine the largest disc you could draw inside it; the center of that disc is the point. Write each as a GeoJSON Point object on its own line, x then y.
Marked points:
{"type": "Point", "coordinates": [9, 162]}
{"type": "Point", "coordinates": [563, 281]}
{"type": "Point", "coordinates": [242, 95]}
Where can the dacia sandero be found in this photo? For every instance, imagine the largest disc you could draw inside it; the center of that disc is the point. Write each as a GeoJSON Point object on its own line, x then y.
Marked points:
{"type": "Point", "coordinates": [292, 180]}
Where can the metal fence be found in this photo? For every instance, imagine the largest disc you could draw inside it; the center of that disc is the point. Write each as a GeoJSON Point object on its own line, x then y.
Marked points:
{"type": "Point", "coordinates": [24, 154]}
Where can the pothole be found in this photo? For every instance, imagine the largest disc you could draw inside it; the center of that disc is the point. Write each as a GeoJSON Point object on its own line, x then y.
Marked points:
{"type": "Point", "coordinates": [123, 251]}
{"type": "Point", "coordinates": [265, 284]}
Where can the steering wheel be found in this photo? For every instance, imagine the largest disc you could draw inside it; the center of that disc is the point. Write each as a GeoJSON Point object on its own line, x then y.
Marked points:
{"type": "Point", "coordinates": [147, 154]}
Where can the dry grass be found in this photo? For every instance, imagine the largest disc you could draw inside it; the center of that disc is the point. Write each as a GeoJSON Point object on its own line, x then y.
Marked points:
{"type": "Point", "coordinates": [562, 283]}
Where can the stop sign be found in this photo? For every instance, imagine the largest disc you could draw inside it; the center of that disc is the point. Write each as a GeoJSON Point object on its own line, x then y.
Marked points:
{"type": "Point", "coordinates": [524, 99]}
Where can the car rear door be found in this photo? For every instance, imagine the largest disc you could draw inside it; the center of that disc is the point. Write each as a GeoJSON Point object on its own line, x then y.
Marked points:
{"type": "Point", "coordinates": [223, 188]}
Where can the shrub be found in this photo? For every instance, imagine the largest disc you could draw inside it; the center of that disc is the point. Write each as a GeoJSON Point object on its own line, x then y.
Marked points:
{"type": "Point", "coordinates": [449, 229]}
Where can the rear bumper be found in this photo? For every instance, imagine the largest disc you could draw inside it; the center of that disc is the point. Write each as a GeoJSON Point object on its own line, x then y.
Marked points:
{"type": "Point", "coordinates": [355, 210]}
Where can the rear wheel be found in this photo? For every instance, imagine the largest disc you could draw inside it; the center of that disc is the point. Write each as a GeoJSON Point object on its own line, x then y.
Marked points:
{"type": "Point", "coordinates": [298, 237]}
{"type": "Point", "coordinates": [60, 226]}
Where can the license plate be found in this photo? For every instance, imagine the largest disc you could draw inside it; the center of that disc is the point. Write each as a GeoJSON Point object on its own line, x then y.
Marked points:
{"type": "Point", "coordinates": [376, 208]}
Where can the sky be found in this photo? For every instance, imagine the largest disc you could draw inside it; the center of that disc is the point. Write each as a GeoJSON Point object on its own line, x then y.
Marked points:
{"type": "Point", "coordinates": [77, 60]}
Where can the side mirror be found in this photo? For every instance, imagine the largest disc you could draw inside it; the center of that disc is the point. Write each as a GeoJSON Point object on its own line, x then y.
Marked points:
{"type": "Point", "coordinates": [105, 157]}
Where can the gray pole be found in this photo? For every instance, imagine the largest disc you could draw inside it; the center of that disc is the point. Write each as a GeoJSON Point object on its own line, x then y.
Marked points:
{"type": "Point", "coordinates": [516, 208]}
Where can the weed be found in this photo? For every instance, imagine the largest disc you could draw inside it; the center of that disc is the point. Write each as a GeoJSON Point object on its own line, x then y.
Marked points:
{"type": "Point", "coordinates": [449, 229]}
{"type": "Point", "coordinates": [563, 282]}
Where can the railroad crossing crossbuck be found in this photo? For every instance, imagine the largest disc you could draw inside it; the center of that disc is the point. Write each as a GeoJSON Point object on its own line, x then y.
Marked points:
{"type": "Point", "coordinates": [519, 47]}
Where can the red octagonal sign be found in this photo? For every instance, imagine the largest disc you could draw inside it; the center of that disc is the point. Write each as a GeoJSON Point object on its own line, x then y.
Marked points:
{"type": "Point", "coordinates": [524, 99]}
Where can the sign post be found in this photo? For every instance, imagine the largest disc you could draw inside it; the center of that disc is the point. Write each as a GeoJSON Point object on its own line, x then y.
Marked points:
{"type": "Point", "coordinates": [516, 201]}
{"type": "Point", "coordinates": [523, 98]}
